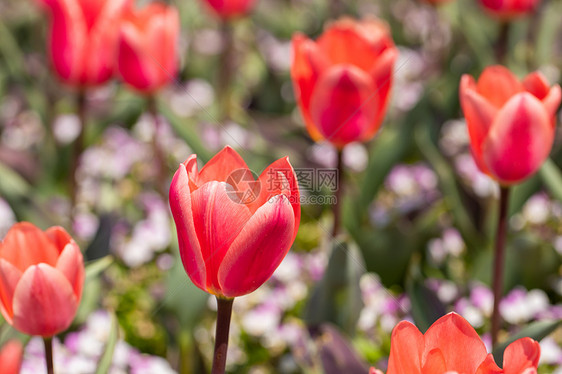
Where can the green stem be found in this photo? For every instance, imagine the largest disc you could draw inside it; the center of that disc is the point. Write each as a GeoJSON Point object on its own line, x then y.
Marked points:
{"type": "Point", "coordinates": [78, 146]}
{"type": "Point", "coordinates": [49, 355]}
{"type": "Point", "coordinates": [224, 313]}
{"type": "Point", "coordinates": [502, 46]}
{"type": "Point", "coordinates": [226, 72]}
{"type": "Point", "coordinates": [158, 153]}
{"type": "Point", "coordinates": [338, 194]}
{"type": "Point", "coordinates": [499, 259]}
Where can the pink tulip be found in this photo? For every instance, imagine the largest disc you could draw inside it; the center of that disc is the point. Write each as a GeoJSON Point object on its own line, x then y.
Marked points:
{"type": "Point", "coordinates": [83, 39]}
{"type": "Point", "coordinates": [511, 123]}
{"type": "Point", "coordinates": [41, 279]}
{"type": "Point", "coordinates": [233, 231]}
{"type": "Point", "coordinates": [229, 9]}
{"type": "Point", "coordinates": [147, 58]}
{"type": "Point", "coordinates": [509, 9]}
{"type": "Point", "coordinates": [11, 357]}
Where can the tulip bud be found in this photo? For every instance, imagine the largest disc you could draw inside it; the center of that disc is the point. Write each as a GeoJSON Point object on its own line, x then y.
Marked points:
{"type": "Point", "coordinates": [511, 124]}
{"type": "Point", "coordinates": [229, 9]}
{"type": "Point", "coordinates": [509, 9]}
{"type": "Point", "coordinates": [41, 279]}
{"type": "Point", "coordinates": [233, 230]}
{"type": "Point", "coordinates": [147, 57]}
{"type": "Point", "coordinates": [342, 81]}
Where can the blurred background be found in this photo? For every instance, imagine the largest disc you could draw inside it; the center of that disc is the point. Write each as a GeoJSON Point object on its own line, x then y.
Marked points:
{"type": "Point", "coordinates": [420, 217]}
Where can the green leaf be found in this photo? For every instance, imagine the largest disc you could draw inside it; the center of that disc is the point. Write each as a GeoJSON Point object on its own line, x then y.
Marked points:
{"type": "Point", "coordinates": [94, 268]}
{"type": "Point", "coordinates": [536, 330]}
{"type": "Point", "coordinates": [12, 185]}
{"type": "Point", "coordinates": [426, 307]}
{"type": "Point", "coordinates": [104, 363]}
{"type": "Point", "coordinates": [552, 178]}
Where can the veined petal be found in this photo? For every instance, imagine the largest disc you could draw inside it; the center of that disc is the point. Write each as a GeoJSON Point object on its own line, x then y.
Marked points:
{"type": "Point", "coordinates": [521, 355]}
{"type": "Point", "coordinates": [71, 265]}
{"type": "Point", "coordinates": [449, 333]}
{"type": "Point", "coordinates": [190, 249]}
{"type": "Point", "coordinates": [44, 302]}
{"type": "Point", "coordinates": [488, 366]}
{"type": "Point", "coordinates": [59, 237]}
{"type": "Point", "coordinates": [497, 84]}
{"type": "Point", "coordinates": [220, 166]}
{"type": "Point", "coordinates": [192, 171]}
{"type": "Point", "coordinates": [519, 140]}
{"type": "Point", "coordinates": [344, 104]}
{"type": "Point", "coordinates": [9, 278]}
{"type": "Point", "coordinates": [434, 363]}
{"type": "Point", "coordinates": [406, 349]}
{"type": "Point", "coordinates": [26, 245]}
{"type": "Point", "coordinates": [259, 249]}
{"type": "Point", "coordinates": [218, 219]}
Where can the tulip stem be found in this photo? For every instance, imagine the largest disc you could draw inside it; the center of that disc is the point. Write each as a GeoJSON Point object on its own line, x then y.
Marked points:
{"type": "Point", "coordinates": [78, 147]}
{"type": "Point", "coordinates": [499, 256]}
{"type": "Point", "coordinates": [503, 43]}
{"type": "Point", "coordinates": [338, 194]}
{"type": "Point", "coordinates": [224, 312]}
{"type": "Point", "coordinates": [226, 70]}
{"type": "Point", "coordinates": [158, 153]}
{"type": "Point", "coordinates": [49, 355]}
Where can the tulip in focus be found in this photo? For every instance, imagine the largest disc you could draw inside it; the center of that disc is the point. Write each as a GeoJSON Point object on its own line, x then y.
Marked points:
{"type": "Point", "coordinates": [41, 279]}
{"type": "Point", "coordinates": [509, 9]}
{"type": "Point", "coordinates": [511, 123]}
{"type": "Point", "coordinates": [147, 57]}
{"type": "Point", "coordinates": [83, 39]}
{"type": "Point", "coordinates": [451, 345]}
{"type": "Point", "coordinates": [233, 231]}
{"type": "Point", "coordinates": [342, 81]}
{"type": "Point", "coordinates": [11, 357]}
{"type": "Point", "coordinates": [229, 9]}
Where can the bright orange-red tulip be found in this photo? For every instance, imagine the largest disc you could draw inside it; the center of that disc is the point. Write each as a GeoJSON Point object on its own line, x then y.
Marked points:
{"type": "Point", "coordinates": [509, 9]}
{"type": "Point", "coordinates": [11, 357]}
{"type": "Point", "coordinates": [233, 231]}
{"type": "Point", "coordinates": [229, 9]}
{"type": "Point", "coordinates": [83, 39]}
{"type": "Point", "coordinates": [511, 123]}
{"type": "Point", "coordinates": [342, 81]}
{"type": "Point", "coordinates": [147, 58]}
{"type": "Point", "coordinates": [41, 279]}
{"type": "Point", "coordinates": [451, 345]}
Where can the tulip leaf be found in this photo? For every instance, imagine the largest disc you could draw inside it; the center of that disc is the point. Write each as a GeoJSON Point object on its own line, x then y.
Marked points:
{"type": "Point", "coordinates": [426, 307]}
{"type": "Point", "coordinates": [337, 354]}
{"type": "Point", "coordinates": [12, 185]}
{"type": "Point", "coordinates": [536, 330]}
{"type": "Point", "coordinates": [337, 297]}
{"type": "Point", "coordinates": [552, 178]}
{"type": "Point", "coordinates": [94, 268]}
{"type": "Point", "coordinates": [521, 192]}
{"type": "Point", "coordinates": [104, 364]}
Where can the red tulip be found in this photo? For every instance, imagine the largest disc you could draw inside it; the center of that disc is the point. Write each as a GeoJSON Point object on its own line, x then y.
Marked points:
{"type": "Point", "coordinates": [451, 345]}
{"type": "Point", "coordinates": [509, 9]}
{"type": "Point", "coordinates": [11, 356]}
{"type": "Point", "coordinates": [83, 39]}
{"type": "Point", "coordinates": [41, 279]}
{"type": "Point", "coordinates": [233, 231]}
{"type": "Point", "coordinates": [511, 123]}
{"type": "Point", "coordinates": [229, 9]}
{"type": "Point", "coordinates": [342, 81]}
{"type": "Point", "coordinates": [147, 57]}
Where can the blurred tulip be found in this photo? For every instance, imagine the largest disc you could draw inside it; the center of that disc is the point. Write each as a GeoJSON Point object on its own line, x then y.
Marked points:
{"type": "Point", "coordinates": [229, 9]}
{"type": "Point", "coordinates": [83, 39]}
{"type": "Point", "coordinates": [509, 9]}
{"type": "Point", "coordinates": [451, 345]}
{"type": "Point", "coordinates": [11, 357]}
{"type": "Point", "coordinates": [511, 123]}
{"type": "Point", "coordinates": [342, 81]}
{"type": "Point", "coordinates": [233, 231]}
{"type": "Point", "coordinates": [147, 57]}
{"type": "Point", "coordinates": [41, 279]}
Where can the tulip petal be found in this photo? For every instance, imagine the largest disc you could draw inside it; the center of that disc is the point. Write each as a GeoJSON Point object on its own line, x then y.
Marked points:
{"type": "Point", "coordinates": [488, 366]}
{"type": "Point", "coordinates": [305, 75]}
{"type": "Point", "coordinates": [497, 84]}
{"type": "Point", "coordinates": [71, 265]}
{"type": "Point", "coordinates": [552, 101]}
{"type": "Point", "coordinates": [479, 114]}
{"type": "Point", "coordinates": [519, 140]}
{"type": "Point", "coordinates": [218, 219]}
{"type": "Point", "coordinates": [133, 65]}
{"type": "Point", "coordinates": [343, 104]}
{"type": "Point", "coordinates": [190, 250]}
{"type": "Point", "coordinates": [221, 166]}
{"type": "Point", "coordinates": [11, 357]}
{"type": "Point", "coordinates": [382, 75]}
{"type": "Point", "coordinates": [536, 84]}
{"type": "Point", "coordinates": [192, 171]}
{"type": "Point", "coordinates": [448, 334]}
{"type": "Point", "coordinates": [259, 249]}
{"type": "Point", "coordinates": [434, 363]}
{"type": "Point", "coordinates": [59, 237]}
{"type": "Point", "coordinates": [406, 349]}
{"type": "Point", "coordinates": [9, 278]}
{"type": "Point", "coordinates": [26, 245]}
{"type": "Point", "coordinates": [44, 302]}
{"type": "Point", "coordinates": [279, 178]}
{"type": "Point", "coordinates": [520, 355]}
